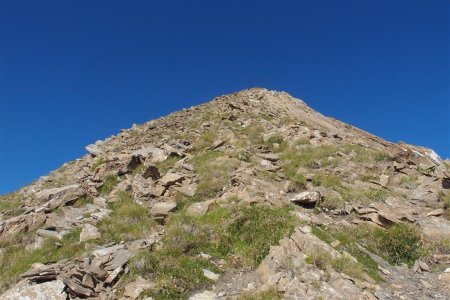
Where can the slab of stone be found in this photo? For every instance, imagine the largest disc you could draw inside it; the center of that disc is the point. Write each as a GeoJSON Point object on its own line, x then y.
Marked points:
{"type": "Point", "coordinates": [210, 275]}
{"type": "Point", "coordinates": [89, 232]}
{"type": "Point", "coordinates": [162, 209]}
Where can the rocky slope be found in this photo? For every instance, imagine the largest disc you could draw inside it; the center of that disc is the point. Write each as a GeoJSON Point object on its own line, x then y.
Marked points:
{"type": "Point", "coordinates": [252, 195]}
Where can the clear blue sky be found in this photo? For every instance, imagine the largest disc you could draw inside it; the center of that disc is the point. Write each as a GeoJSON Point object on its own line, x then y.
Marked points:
{"type": "Point", "coordinates": [72, 72]}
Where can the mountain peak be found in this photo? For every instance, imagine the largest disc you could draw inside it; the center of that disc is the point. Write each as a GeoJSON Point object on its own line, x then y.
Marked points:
{"type": "Point", "coordinates": [253, 193]}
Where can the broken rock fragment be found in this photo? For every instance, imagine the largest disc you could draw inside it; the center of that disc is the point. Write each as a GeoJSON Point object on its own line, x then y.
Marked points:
{"type": "Point", "coordinates": [308, 198]}
{"type": "Point", "coordinates": [162, 209]}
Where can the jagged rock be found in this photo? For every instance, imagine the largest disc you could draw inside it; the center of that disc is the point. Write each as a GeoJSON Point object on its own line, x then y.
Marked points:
{"type": "Point", "coordinates": [57, 197]}
{"type": "Point", "coordinates": [306, 198]}
{"type": "Point", "coordinates": [135, 288]}
{"type": "Point", "coordinates": [170, 179]}
{"type": "Point", "coordinates": [95, 149]}
{"type": "Point", "coordinates": [436, 212]}
{"type": "Point", "coordinates": [52, 290]}
{"type": "Point", "coordinates": [76, 288]}
{"type": "Point", "coordinates": [89, 232]}
{"type": "Point", "coordinates": [22, 223]}
{"type": "Point", "coordinates": [151, 172]}
{"type": "Point", "coordinates": [151, 153]}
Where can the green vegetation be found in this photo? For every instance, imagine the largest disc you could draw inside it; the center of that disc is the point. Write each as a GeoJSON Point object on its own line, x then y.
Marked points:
{"type": "Point", "coordinates": [382, 156]}
{"type": "Point", "coordinates": [128, 221]}
{"type": "Point", "coordinates": [363, 196]}
{"type": "Point", "coordinates": [10, 207]}
{"type": "Point", "coordinates": [166, 165]}
{"type": "Point", "coordinates": [307, 157]}
{"type": "Point", "coordinates": [15, 259]}
{"type": "Point", "coordinates": [399, 243]}
{"type": "Point", "coordinates": [408, 182]}
{"type": "Point", "coordinates": [253, 133]}
{"type": "Point", "coordinates": [214, 171]}
{"type": "Point", "coordinates": [176, 276]}
{"type": "Point", "coordinates": [277, 139]}
{"type": "Point", "coordinates": [349, 244]}
{"type": "Point", "coordinates": [240, 235]}
{"type": "Point", "coordinates": [80, 202]}
{"type": "Point", "coordinates": [97, 163]}
{"type": "Point", "coordinates": [108, 185]}
{"type": "Point", "coordinates": [326, 180]}
{"type": "Point", "coordinates": [256, 229]}
{"type": "Point", "coordinates": [206, 139]}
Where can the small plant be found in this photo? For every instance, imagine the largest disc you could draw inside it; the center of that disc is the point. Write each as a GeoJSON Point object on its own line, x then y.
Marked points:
{"type": "Point", "coordinates": [80, 202]}
{"type": "Point", "coordinates": [257, 228]}
{"type": "Point", "coordinates": [206, 140]}
{"type": "Point", "coordinates": [320, 259]}
{"type": "Point", "coordinates": [214, 171]}
{"type": "Point", "coordinates": [382, 156]}
{"type": "Point", "coordinates": [128, 221]}
{"type": "Point", "coordinates": [253, 133]}
{"type": "Point", "coordinates": [97, 163]}
{"type": "Point", "coordinates": [346, 265]}
{"type": "Point", "coordinates": [408, 182]}
{"type": "Point", "coordinates": [326, 180]}
{"type": "Point", "coordinates": [399, 243]}
{"type": "Point", "coordinates": [166, 165]}
{"type": "Point", "coordinates": [15, 259]}
{"type": "Point", "coordinates": [349, 242]}
{"type": "Point", "coordinates": [10, 207]}
{"type": "Point", "coordinates": [108, 185]}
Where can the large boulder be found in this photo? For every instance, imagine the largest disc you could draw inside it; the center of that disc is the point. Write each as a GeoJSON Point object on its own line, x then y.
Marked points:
{"type": "Point", "coordinates": [56, 197]}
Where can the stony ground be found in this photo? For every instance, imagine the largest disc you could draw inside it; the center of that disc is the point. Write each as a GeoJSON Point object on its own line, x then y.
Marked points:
{"type": "Point", "coordinates": [250, 196]}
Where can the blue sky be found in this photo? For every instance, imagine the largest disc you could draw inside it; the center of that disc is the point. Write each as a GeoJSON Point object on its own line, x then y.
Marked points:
{"type": "Point", "coordinates": [72, 72]}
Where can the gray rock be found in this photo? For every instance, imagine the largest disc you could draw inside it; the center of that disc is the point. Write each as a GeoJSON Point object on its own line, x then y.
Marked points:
{"type": "Point", "coordinates": [170, 179]}
{"type": "Point", "coordinates": [52, 290]}
{"type": "Point", "coordinates": [199, 208]}
{"type": "Point", "coordinates": [162, 209]}
{"type": "Point", "coordinates": [206, 295]}
{"type": "Point", "coordinates": [89, 232]}
{"type": "Point", "coordinates": [210, 275]}
{"type": "Point", "coordinates": [306, 198]}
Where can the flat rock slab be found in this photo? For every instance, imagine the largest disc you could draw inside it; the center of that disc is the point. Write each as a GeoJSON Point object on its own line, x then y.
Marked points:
{"type": "Point", "coordinates": [162, 209]}
{"type": "Point", "coordinates": [199, 208]}
{"type": "Point", "coordinates": [89, 232]}
{"type": "Point", "coordinates": [170, 179]}
{"type": "Point", "coordinates": [108, 250]}
{"type": "Point", "coordinates": [306, 198]}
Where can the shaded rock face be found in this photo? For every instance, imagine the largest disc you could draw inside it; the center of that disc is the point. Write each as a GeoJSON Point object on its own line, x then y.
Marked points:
{"type": "Point", "coordinates": [108, 225]}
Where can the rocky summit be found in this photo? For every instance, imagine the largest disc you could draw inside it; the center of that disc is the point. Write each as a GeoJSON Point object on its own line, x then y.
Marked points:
{"type": "Point", "coordinates": [252, 195]}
